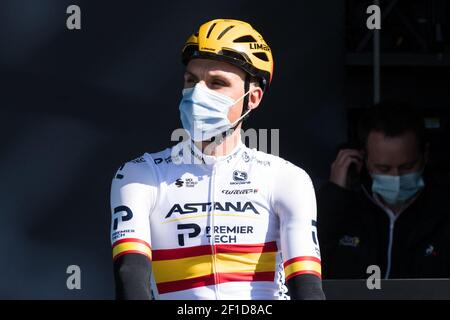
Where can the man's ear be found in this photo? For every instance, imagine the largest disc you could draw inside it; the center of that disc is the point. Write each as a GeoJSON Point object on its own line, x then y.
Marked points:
{"type": "Point", "coordinates": [255, 97]}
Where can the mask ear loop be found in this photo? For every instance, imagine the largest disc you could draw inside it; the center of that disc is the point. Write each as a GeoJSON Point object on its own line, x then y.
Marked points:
{"type": "Point", "coordinates": [245, 109]}
{"type": "Point", "coordinates": [245, 112]}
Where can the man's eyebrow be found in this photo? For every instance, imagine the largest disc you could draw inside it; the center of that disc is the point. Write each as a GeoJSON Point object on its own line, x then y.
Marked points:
{"type": "Point", "coordinates": [218, 74]}
{"type": "Point", "coordinates": [382, 165]}
{"type": "Point", "coordinates": [410, 162]}
{"type": "Point", "coordinates": [187, 72]}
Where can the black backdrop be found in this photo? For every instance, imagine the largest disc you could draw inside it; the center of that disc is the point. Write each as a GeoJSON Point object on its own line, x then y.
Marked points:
{"type": "Point", "coordinates": [75, 104]}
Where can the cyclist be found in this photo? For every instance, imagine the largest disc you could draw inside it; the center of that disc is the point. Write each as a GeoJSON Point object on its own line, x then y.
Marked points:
{"type": "Point", "coordinates": [210, 218]}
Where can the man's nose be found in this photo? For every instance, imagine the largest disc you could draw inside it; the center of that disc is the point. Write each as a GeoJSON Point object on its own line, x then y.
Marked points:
{"type": "Point", "coordinates": [202, 83]}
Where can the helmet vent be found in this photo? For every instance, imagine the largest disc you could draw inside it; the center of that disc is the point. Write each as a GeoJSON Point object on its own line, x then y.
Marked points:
{"type": "Point", "coordinates": [224, 31]}
{"type": "Point", "coordinates": [261, 55]}
{"type": "Point", "coordinates": [210, 29]}
{"type": "Point", "coordinates": [245, 39]}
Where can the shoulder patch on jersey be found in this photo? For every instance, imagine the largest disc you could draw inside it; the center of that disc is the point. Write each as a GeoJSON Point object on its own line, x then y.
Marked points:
{"type": "Point", "coordinates": [119, 174]}
{"type": "Point", "coordinates": [165, 156]}
{"type": "Point", "coordinates": [160, 160]}
{"type": "Point", "coordinates": [130, 166]}
{"type": "Point", "coordinates": [138, 160]}
{"type": "Point", "coordinates": [265, 159]}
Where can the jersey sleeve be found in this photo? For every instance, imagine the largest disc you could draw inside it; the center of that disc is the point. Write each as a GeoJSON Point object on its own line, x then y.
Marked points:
{"type": "Point", "coordinates": [294, 201]}
{"type": "Point", "coordinates": [133, 195]}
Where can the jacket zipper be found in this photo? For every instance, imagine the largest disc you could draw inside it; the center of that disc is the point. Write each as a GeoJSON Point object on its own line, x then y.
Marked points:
{"type": "Point", "coordinates": [392, 218]}
{"type": "Point", "coordinates": [389, 253]}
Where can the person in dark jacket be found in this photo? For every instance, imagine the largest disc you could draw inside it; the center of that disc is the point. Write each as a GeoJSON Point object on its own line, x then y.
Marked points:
{"type": "Point", "coordinates": [380, 207]}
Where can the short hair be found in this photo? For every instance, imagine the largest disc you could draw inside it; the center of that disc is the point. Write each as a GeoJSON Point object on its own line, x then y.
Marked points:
{"type": "Point", "coordinates": [392, 119]}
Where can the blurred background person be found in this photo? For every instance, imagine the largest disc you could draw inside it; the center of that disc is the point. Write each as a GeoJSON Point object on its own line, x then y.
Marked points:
{"type": "Point", "coordinates": [380, 207]}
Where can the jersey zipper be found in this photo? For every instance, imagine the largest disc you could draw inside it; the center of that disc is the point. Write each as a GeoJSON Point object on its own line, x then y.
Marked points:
{"type": "Point", "coordinates": [213, 244]}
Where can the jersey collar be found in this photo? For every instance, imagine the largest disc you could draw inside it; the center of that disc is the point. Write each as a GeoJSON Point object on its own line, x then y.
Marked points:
{"type": "Point", "coordinates": [212, 160]}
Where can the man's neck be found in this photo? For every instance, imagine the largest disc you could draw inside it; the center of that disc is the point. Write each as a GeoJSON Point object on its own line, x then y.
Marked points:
{"type": "Point", "coordinates": [222, 149]}
{"type": "Point", "coordinates": [396, 209]}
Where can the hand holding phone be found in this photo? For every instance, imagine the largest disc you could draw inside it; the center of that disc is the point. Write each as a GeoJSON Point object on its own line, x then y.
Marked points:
{"type": "Point", "coordinates": [345, 160]}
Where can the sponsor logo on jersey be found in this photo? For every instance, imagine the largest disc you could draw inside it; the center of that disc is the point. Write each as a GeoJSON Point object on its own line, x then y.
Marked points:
{"type": "Point", "coordinates": [193, 153]}
{"type": "Point", "coordinates": [265, 163]}
{"type": "Point", "coordinates": [138, 160]}
{"type": "Point", "coordinates": [314, 237]}
{"type": "Point", "coordinates": [187, 182]}
{"type": "Point", "coordinates": [314, 232]}
{"type": "Point", "coordinates": [188, 208]}
{"type": "Point", "coordinates": [226, 234]}
{"type": "Point", "coordinates": [216, 234]}
{"type": "Point", "coordinates": [119, 175]}
{"type": "Point", "coordinates": [231, 156]}
{"type": "Point", "coordinates": [194, 230]}
{"type": "Point", "coordinates": [125, 233]}
{"type": "Point", "coordinates": [241, 191]}
{"type": "Point", "coordinates": [161, 160]}
{"type": "Point", "coordinates": [245, 156]}
{"type": "Point", "coordinates": [179, 182]}
{"type": "Point", "coordinates": [123, 217]}
{"type": "Point", "coordinates": [240, 177]}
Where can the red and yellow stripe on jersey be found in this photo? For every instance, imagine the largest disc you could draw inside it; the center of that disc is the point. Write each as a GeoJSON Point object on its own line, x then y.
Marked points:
{"type": "Point", "coordinates": [187, 268]}
{"type": "Point", "coordinates": [302, 265]}
{"type": "Point", "coordinates": [131, 245]}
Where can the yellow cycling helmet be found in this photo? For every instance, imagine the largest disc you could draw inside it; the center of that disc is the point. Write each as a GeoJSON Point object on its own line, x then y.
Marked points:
{"type": "Point", "coordinates": [235, 42]}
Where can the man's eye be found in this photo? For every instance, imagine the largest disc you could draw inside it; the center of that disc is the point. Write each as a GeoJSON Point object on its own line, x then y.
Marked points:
{"type": "Point", "coordinates": [408, 166]}
{"type": "Point", "coordinates": [384, 169]}
{"type": "Point", "coordinates": [218, 83]}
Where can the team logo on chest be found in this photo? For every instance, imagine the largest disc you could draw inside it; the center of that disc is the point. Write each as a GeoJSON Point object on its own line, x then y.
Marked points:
{"type": "Point", "coordinates": [227, 206]}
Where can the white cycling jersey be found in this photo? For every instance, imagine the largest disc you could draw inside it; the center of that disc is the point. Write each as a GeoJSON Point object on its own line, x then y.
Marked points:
{"type": "Point", "coordinates": [231, 227]}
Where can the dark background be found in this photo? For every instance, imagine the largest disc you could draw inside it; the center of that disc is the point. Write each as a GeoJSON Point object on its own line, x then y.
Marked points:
{"type": "Point", "coordinates": [74, 105]}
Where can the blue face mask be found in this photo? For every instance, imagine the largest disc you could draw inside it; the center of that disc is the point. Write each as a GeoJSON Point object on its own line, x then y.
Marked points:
{"type": "Point", "coordinates": [397, 189]}
{"type": "Point", "coordinates": [204, 112]}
